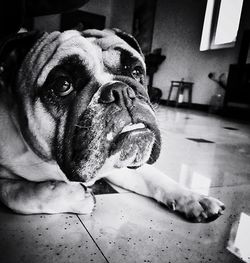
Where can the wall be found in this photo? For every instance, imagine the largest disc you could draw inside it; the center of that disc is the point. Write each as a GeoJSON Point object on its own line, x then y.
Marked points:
{"type": "Point", "coordinates": [100, 7]}
{"type": "Point", "coordinates": [178, 28]}
{"type": "Point", "coordinates": [177, 31]}
{"type": "Point", "coordinates": [47, 23]}
{"type": "Point", "coordinates": [118, 14]}
{"type": "Point", "coordinates": [122, 15]}
{"type": "Point", "coordinates": [52, 22]}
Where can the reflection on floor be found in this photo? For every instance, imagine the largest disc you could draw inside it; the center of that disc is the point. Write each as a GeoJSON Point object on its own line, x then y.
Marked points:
{"type": "Point", "coordinates": [129, 228]}
{"type": "Point", "coordinates": [199, 140]}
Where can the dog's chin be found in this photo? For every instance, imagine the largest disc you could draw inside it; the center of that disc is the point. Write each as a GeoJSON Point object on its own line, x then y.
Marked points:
{"type": "Point", "coordinates": [132, 148]}
{"type": "Point", "coordinates": [128, 149]}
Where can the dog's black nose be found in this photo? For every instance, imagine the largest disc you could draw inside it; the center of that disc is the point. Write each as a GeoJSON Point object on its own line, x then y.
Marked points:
{"type": "Point", "coordinates": [117, 92]}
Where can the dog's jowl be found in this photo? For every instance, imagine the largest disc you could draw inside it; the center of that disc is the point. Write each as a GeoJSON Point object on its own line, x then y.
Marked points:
{"type": "Point", "coordinates": [74, 108]}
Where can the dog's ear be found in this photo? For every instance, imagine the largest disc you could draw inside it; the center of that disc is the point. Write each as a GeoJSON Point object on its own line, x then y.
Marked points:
{"type": "Point", "coordinates": [129, 39]}
{"type": "Point", "coordinates": [12, 52]}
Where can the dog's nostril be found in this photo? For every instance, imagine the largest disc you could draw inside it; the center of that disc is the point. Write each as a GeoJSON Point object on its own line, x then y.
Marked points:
{"type": "Point", "coordinates": [107, 95]}
{"type": "Point", "coordinates": [116, 93]}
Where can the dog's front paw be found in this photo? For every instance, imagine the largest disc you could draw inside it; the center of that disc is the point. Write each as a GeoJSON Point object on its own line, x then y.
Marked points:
{"type": "Point", "coordinates": [82, 200]}
{"type": "Point", "coordinates": [61, 197]}
{"type": "Point", "coordinates": [198, 208]}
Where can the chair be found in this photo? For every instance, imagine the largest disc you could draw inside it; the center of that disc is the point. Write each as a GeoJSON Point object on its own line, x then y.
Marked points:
{"type": "Point", "coordinates": [181, 87]}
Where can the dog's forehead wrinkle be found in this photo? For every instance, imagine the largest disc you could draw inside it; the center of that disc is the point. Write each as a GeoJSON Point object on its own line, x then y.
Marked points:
{"type": "Point", "coordinates": [58, 46]}
{"type": "Point", "coordinates": [113, 42]}
{"type": "Point", "coordinates": [111, 58]}
{"type": "Point", "coordinates": [108, 41]}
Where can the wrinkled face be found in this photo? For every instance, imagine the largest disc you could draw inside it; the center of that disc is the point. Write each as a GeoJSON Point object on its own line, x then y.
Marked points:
{"type": "Point", "coordinates": [85, 102]}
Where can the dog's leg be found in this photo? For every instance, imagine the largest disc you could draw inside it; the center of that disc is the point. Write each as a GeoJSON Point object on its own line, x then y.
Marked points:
{"type": "Point", "coordinates": [45, 197]}
{"type": "Point", "coordinates": [149, 181]}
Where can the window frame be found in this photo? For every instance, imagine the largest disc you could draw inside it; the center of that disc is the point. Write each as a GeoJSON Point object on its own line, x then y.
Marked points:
{"type": "Point", "coordinates": [210, 26]}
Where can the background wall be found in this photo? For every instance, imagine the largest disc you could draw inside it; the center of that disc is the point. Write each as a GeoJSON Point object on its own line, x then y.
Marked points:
{"type": "Point", "coordinates": [47, 23]}
{"type": "Point", "coordinates": [177, 30]}
{"type": "Point", "coordinates": [118, 14]}
{"type": "Point", "coordinates": [122, 15]}
{"type": "Point", "coordinates": [52, 22]}
{"type": "Point", "coordinates": [100, 7]}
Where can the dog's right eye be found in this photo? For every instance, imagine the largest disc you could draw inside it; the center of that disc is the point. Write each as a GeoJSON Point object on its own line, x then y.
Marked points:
{"type": "Point", "coordinates": [62, 86]}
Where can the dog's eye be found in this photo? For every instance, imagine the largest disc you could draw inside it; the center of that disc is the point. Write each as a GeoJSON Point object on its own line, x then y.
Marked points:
{"type": "Point", "coordinates": [137, 74]}
{"type": "Point", "coordinates": [63, 86]}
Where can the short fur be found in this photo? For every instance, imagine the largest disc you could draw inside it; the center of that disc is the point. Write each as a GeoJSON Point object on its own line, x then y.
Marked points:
{"type": "Point", "coordinates": [76, 110]}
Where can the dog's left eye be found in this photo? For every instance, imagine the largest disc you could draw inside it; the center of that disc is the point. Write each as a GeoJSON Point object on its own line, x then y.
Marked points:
{"type": "Point", "coordinates": [137, 74]}
{"type": "Point", "coordinates": [63, 87]}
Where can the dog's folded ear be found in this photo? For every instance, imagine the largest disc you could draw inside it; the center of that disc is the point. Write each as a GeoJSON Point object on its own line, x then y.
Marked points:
{"type": "Point", "coordinates": [129, 39]}
{"type": "Point", "coordinates": [12, 52]}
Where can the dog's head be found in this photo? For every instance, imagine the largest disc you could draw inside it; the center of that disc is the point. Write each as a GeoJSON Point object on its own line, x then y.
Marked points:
{"type": "Point", "coordinates": [82, 100]}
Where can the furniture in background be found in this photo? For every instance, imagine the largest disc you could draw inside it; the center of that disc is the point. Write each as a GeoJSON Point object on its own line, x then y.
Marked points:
{"type": "Point", "coordinates": [217, 99]}
{"type": "Point", "coordinates": [237, 99]}
{"type": "Point", "coordinates": [153, 61]}
{"type": "Point", "coordinates": [181, 86]}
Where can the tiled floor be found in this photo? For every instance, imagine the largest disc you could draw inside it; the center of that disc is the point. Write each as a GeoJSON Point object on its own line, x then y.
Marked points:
{"type": "Point", "coordinates": [129, 228]}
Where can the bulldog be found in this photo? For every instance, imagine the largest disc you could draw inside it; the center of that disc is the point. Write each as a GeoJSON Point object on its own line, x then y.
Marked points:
{"type": "Point", "coordinates": [74, 108]}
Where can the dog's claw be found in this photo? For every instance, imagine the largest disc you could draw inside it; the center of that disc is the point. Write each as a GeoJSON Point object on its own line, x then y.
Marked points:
{"type": "Point", "coordinates": [221, 212]}
{"type": "Point", "coordinates": [198, 208]}
{"type": "Point", "coordinates": [94, 198]}
{"type": "Point", "coordinates": [171, 205]}
{"type": "Point", "coordinates": [204, 215]}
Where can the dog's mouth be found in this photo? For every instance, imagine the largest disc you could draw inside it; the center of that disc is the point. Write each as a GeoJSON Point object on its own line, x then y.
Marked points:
{"type": "Point", "coordinates": [132, 146]}
{"type": "Point", "coordinates": [127, 128]}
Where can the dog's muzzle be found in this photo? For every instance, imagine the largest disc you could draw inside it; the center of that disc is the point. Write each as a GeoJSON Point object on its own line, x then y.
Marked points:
{"type": "Point", "coordinates": [119, 125]}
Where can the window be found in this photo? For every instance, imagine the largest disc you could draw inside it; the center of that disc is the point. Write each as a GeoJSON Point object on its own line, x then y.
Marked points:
{"type": "Point", "coordinates": [221, 24]}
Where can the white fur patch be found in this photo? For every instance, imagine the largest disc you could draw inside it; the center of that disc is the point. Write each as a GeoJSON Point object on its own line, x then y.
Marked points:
{"type": "Point", "coordinates": [17, 157]}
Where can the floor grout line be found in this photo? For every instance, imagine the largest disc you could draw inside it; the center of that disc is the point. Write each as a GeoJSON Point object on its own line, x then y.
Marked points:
{"type": "Point", "coordinates": [93, 239]}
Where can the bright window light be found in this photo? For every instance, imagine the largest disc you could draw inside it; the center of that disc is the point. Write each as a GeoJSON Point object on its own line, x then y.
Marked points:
{"type": "Point", "coordinates": [193, 180]}
{"type": "Point", "coordinates": [228, 21]}
{"type": "Point", "coordinates": [221, 24]}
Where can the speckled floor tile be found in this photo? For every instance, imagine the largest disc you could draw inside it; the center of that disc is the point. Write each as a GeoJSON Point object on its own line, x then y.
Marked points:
{"type": "Point", "coordinates": [223, 163]}
{"type": "Point", "coordinates": [45, 238]}
{"type": "Point", "coordinates": [131, 228]}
